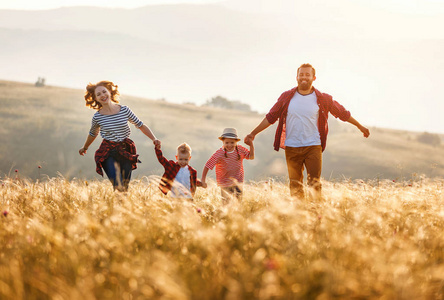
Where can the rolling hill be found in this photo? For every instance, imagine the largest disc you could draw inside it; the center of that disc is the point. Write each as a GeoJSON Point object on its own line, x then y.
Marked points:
{"type": "Point", "coordinates": [45, 126]}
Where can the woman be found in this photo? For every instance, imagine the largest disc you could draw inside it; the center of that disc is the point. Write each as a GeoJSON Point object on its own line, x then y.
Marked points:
{"type": "Point", "coordinates": [117, 153]}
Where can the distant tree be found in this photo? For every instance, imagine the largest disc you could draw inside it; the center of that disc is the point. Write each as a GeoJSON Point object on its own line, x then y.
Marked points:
{"type": "Point", "coordinates": [429, 138]}
{"type": "Point", "coordinates": [223, 102]}
{"type": "Point", "coordinates": [40, 82]}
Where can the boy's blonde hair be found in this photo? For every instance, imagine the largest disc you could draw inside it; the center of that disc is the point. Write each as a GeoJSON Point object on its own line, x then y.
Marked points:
{"type": "Point", "coordinates": [184, 148]}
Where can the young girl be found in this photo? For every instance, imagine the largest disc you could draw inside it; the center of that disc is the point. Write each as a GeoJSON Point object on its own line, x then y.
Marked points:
{"type": "Point", "coordinates": [229, 167]}
{"type": "Point", "coordinates": [117, 153]}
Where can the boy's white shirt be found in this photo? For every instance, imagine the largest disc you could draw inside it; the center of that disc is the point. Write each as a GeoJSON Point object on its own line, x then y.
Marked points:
{"type": "Point", "coordinates": [181, 187]}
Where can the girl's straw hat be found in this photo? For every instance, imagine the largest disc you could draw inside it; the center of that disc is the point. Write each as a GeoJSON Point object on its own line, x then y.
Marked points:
{"type": "Point", "coordinates": [229, 133]}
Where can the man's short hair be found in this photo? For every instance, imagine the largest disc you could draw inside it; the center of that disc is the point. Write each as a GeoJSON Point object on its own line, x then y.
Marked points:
{"type": "Point", "coordinates": [184, 148]}
{"type": "Point", "coordinates": [307, 66]}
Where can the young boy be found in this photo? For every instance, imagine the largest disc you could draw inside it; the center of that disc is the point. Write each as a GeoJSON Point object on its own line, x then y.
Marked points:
{"type": "Point", "coordinates": [179, 177]}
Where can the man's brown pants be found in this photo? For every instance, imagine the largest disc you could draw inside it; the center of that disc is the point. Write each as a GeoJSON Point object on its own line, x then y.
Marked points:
{"type": "Point", "coordinates": [297, 158]}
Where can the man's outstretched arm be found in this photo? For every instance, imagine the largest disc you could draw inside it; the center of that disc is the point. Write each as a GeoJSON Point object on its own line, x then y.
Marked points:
{"type": "Point", "coordinates": [261, 127]}
{"type": "Point", "coordinates": [363, 129]}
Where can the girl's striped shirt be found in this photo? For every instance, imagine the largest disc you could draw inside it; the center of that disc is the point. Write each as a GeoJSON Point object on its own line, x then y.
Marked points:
{"type": "Point", "coordinates": [230, 169]}
{"type": "Point", "coordinates": [115, 127]}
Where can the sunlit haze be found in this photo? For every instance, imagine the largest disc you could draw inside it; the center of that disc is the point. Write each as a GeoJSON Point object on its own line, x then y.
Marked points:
{"type": "Point", "coordinates": [401, 6]}
{"type": "Point", "coordinates": [382, 59]}
{"type": "Point", "coordinates": [51, 4]}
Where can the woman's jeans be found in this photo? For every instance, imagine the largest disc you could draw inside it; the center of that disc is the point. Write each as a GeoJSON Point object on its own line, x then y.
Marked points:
{"type": "Point", "coordinates": [118, 169]}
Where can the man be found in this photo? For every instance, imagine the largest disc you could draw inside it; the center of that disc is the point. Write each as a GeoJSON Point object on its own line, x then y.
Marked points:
{"type": "Point", "coordinates": [303, 128]}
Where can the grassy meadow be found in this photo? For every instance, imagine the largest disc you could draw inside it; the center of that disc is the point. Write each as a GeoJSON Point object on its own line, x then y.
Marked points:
{"type": "Point", "coordinates": [76, 239]}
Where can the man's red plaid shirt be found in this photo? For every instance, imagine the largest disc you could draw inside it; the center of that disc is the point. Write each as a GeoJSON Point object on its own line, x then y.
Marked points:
{"type": "Point", "coordinates": [326, 105]}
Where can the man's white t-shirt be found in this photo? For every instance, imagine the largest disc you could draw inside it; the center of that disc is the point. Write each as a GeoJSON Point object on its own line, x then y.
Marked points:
{"type": "Point", "coordinates": [302, 121]}
{"type": "Point", "coordinates": [181, 186]}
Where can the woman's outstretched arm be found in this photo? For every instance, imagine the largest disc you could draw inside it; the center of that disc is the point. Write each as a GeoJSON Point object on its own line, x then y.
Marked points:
{"type": "Point", "coordinates": [88, 142]}
{"type": "Point", "coordinates": [147, 131]}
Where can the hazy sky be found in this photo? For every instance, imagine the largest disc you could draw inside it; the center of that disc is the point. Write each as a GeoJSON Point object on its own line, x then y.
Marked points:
{"type": "Point", "coordinates": [401, 95]}
{"type": "Point", "coordinates": [48, 4]}
{"type": "Point", "coordinates": [403, 6]}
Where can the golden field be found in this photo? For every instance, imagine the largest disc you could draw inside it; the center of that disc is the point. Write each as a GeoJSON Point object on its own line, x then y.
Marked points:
{"type": "Point", "coordinates": [75, 239]}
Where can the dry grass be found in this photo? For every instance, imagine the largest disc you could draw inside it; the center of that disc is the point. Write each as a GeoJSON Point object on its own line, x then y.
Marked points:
{"type": "Point", "coordinates": [79, 240]}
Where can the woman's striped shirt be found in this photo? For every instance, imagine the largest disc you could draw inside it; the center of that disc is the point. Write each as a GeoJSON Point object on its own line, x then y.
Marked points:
{"type": "Point", "coordinates": [115, 127]}
{"type": "Point", "coordinates": [229, 170]}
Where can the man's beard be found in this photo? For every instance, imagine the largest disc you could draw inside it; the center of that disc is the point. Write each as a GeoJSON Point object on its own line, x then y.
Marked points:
{"type": "Point", "coordinates": [305, 85]}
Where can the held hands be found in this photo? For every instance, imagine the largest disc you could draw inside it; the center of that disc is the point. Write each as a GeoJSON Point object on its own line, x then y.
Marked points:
{"type": "Point", "coordinates": [157, 144]}
{"type": "Point", "coordinates": [249, 142]}
{"type": "Point", "coordinates": [204, 184]}
{"type": "Point", "coordinates": [249, 139]}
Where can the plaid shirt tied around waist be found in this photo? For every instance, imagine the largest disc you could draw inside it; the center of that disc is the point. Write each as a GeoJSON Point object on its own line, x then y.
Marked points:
{"type": "Point", "coordinates": [326, 105]}
{"type": "Point", "coordinates": [126, 149]}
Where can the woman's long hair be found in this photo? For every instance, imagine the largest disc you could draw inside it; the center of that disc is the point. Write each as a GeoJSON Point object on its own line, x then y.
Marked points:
{"type": "Point", "coordinates": [90, 96]}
